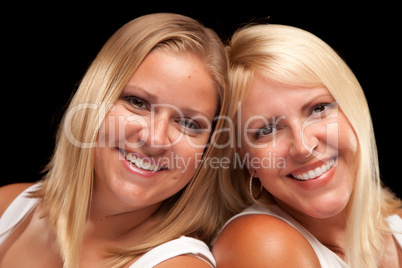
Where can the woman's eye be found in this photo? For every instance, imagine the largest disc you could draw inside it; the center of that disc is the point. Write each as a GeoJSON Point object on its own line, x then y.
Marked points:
{"type": "Point", "coordinates": [265, 131]}
{"type": "Point", "coordinates": [136, 102]}
{"type": "Point", "coordinates": [189, 124]}
{"type": "Point", "coordinates": [321, 108]}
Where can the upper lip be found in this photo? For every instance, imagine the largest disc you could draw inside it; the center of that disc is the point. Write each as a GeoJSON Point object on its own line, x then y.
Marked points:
{"type": "Point", "coordinates": [307, 168]}
{"type": "Point", "coordinates": [157, 162]}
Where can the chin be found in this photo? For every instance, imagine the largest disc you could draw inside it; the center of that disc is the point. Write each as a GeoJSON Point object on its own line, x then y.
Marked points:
{"type": "Point", "coordinates": [325, 210]}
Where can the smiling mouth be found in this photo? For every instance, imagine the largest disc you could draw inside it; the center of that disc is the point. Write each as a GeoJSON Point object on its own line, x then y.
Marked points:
{"type": "Point", "coordinates": [314, 173]}
{"type": "Point", "coordinates": [134, 159]}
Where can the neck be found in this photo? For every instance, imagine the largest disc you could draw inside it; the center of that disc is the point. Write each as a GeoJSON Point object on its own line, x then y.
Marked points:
{"type": "Point", "coordinates": [116, 225]}
{"type": "Point", "coordinates": [331, 232]}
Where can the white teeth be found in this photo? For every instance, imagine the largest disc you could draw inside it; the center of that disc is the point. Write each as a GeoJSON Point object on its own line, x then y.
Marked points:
{"type": "Point", "coordinates": [140, 163]}
{"type": "Point", "coordinates": [312, 174]}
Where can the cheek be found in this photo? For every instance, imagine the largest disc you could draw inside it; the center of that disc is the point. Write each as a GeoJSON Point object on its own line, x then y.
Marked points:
{"type": "Point", "coordinates": [333, 136]}
{"type": "Point", "coordinates": [264, 162]}
{"type": "Point", "coordinates": [348, 140]}
{"type": "Point", "coordinates": [103, 163]}
{"type": "Point", "coordinates": [186, 157]}
{"type": "Point", "coordinates": [121, 129]}
{"type": "Point", "coordinates": [348, 148]}
{"type": "Point", "coordinates": [193, 144]}
{"type": "Point", "coordinates": [109, 129]}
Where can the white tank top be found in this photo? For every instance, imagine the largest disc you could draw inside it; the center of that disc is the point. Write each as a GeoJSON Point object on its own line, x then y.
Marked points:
{"type": "Point", "coordinates": [327, 258]}
{"type": "Point", "coordinates": [22, 205]}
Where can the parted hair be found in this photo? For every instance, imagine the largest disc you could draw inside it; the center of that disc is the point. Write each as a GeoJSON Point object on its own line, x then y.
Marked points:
{"type": "Point", "coordinates": [66, 188]}
{"type": "Point", "coordinates": [290, 56]}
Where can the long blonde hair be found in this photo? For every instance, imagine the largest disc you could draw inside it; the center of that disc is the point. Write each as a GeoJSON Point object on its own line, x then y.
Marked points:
{"type": "Point", "coordinates": [66, 188]}
{"type": "Point", "coordinates": [291, 56]}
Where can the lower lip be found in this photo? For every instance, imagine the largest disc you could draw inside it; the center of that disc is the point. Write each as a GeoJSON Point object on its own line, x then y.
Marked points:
{"type": "Point", "coordinates": [138, 171]}
{"type": "Point", "coordinates": [320, 181]}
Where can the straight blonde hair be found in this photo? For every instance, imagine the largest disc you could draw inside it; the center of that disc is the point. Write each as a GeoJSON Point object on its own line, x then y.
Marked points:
{"type": "Point", "coordinates": [290, 56]}
{"type": "Point", "coordinates": [66, 189]}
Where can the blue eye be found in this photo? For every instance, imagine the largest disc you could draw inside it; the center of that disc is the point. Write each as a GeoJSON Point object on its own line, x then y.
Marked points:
{"type": "Point", "coordinates": [189, 124]}
{"type": "Point", "coordinates": [265, 131]}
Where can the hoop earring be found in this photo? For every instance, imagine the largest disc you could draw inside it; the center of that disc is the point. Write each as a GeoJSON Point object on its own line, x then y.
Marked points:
{"type": "Point", "coordinates": [251, 188]}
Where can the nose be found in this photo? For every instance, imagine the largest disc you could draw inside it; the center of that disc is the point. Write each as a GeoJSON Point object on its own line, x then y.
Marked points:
{"type": "Point", "coordinates": [155, 135]}
{"type": "Point", "coordinates": [303, 143]}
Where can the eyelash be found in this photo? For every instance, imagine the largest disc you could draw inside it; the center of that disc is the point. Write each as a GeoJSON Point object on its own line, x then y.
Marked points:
{"type": "Point", "coordinates": [131, 99]}
{"type": "Point", "coordinates": [259, 133]}
{"type": "Point", "coordinates": [187, 123]}
{"type": "Point", "coordinates": [326, 106]}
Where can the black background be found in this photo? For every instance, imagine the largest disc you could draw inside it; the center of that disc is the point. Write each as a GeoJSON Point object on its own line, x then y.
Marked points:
{"type": "Point", "coordinates": [46, 50]}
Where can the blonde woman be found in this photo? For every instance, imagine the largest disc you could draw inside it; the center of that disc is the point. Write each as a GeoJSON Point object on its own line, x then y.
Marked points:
{"type": "Point", "coordinates": [306, 173]}
{"type": "Point", "coordinates": [126, 186]}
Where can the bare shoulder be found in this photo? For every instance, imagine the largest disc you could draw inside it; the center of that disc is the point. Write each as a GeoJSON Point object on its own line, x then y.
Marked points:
{"type": "Point", "coordinates": [256, 240]}
{"type": "Point", "coordinates": [185, 261]}
{"type": "Point", "coordinates": [9, 192]}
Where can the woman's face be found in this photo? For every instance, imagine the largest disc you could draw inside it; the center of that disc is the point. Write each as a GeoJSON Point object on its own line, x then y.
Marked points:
{"type": "Point", "coordinates": [301, 146]}
{"type": "Point", "coordinates": [152, 139]}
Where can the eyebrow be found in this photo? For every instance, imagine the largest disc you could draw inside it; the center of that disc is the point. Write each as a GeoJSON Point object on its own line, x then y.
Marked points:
{"type": "Point", "coordinates": [196, 113]}
{"type": "Point", "coordinates": [138, 89]}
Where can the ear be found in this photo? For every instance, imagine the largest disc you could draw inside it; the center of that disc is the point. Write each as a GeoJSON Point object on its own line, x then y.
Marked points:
{"type": "Point", "coordinates": [253, 173]}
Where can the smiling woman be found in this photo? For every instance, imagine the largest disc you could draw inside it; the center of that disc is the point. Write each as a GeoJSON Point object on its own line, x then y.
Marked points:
{"type": "Point", "coordinates": [114, 194]}
{"type": "Point", "coordinates": [160, 126]}
{"type": "Point", "coordinates": [325, 206]}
